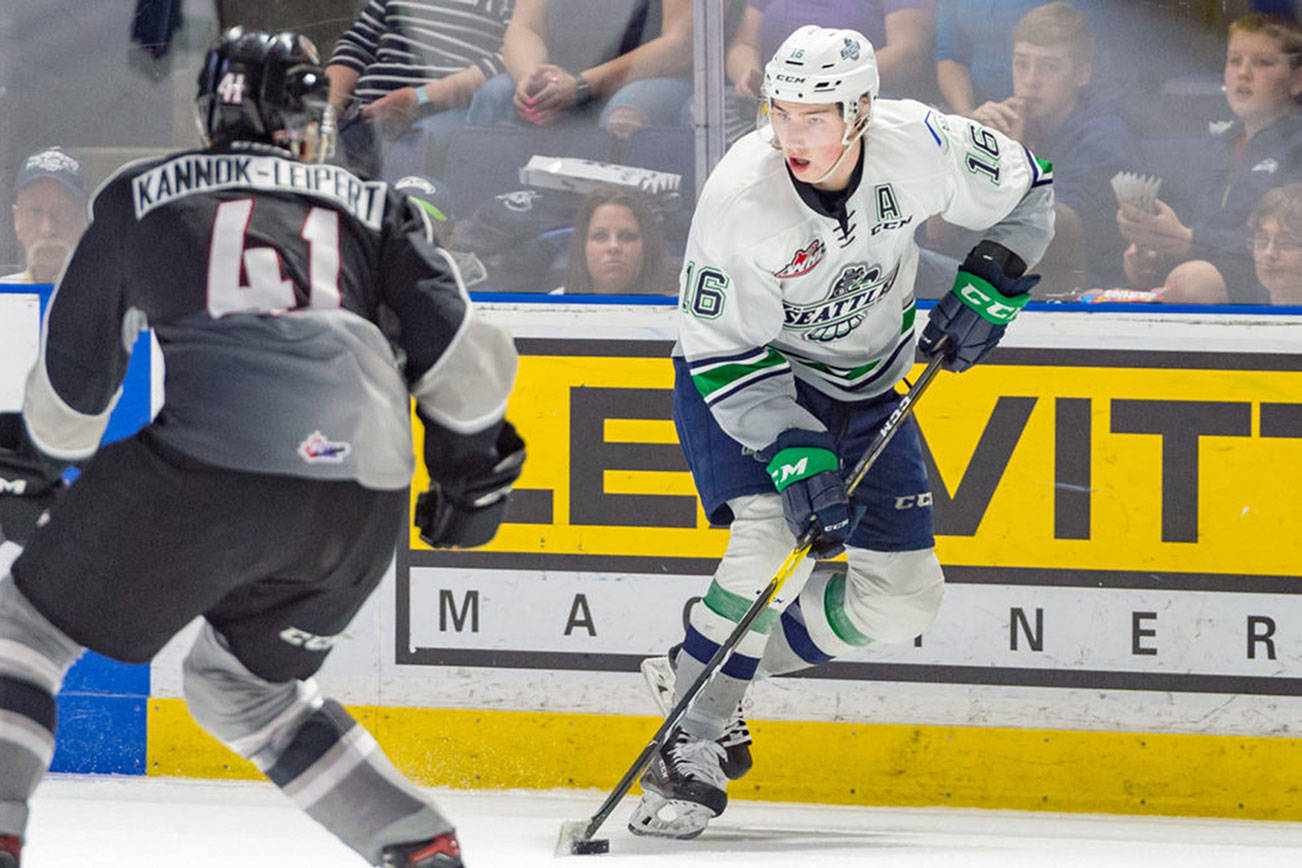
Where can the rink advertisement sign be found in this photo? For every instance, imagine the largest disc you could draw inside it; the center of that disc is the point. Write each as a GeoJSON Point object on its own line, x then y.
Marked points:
{"type": "Point", "coordinates": [1107, 519]}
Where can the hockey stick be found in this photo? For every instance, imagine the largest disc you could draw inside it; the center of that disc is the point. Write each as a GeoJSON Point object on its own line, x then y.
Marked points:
{"type": "Point", "coordinates": [576, 835]}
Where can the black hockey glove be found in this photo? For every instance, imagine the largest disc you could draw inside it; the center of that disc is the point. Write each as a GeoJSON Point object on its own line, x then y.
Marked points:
{"type": "Point", "coordinates": [30, 482]}
{"type": "Point", "coordinates": [988, 293]}
{"type": "Point", "coordinates": [464, 508]}
{"type": "Point", "coordinates": [807, 473]}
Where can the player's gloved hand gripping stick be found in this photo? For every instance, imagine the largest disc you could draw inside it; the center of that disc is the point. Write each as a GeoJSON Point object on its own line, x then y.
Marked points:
{"type": "Point", "coordinates": [576, 835]}
{"type": "Point", "coordinates": [807, 474]}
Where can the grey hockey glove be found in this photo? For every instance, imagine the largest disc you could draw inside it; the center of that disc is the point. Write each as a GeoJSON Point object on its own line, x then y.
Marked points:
{"type": "Point", "coordinates": [465, 505]}
{"type": "Point", "coordinates": [30, 482]}
{"type": "Point", "coordinates": [806, 471]}
{"type": "Point", "coordinates": [988, 293]}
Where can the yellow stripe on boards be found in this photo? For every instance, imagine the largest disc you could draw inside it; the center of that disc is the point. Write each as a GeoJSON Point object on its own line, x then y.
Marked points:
{"type": "Point", "coordinates": [176, 746]}
{"type": "Point", "coordinates": [818, 762]}
{"type": "Point", "coordinates": [640, 431]}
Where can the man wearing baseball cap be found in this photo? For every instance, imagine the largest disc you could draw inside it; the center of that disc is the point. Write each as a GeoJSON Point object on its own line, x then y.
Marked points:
{"type": "Point", "coordinates": [49, 214]}
{"type": "Point", "coordinates": [435, 200]}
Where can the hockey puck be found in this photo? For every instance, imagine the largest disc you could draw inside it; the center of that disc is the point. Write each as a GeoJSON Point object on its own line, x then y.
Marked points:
{"type": "Point", "coordinates": [590, 847]}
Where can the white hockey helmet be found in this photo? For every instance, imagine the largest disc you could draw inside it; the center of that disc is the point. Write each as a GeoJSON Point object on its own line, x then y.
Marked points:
{"type": "Point", "coordinates": [823, 64]}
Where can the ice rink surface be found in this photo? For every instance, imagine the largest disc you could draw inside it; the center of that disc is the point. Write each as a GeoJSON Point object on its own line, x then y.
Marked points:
{"type": "Point", "coordinates": [147, 822]}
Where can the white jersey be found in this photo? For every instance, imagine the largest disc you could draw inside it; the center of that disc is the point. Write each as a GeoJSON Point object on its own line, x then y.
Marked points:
{"type": "Point", "coordinates": [775, 287]}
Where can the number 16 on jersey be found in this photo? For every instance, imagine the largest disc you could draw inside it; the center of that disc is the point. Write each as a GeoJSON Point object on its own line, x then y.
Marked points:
{"type": "Point", "coordinates": [704, 291]}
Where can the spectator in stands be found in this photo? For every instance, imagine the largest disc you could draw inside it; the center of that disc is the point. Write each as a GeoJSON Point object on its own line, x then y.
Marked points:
{"type": "Point", "coordinates": [902, 32]}
{"type": "Point", "coordinates": [49, 214]}
{"type": "Point", "coordinates": [617, 248]}
{"type": "Point", "coordinates": [1275, 237]}
{"type": "Point", "coordinates": [1262, 149]}
{"type": "Point", "coordinates": [405, 71]}
{"type": "Point", "coordinates": [1053, 113]}
{"type": "Point", "coordinates": [435, 199]}
{"type": "Point", "coordinates": [973, 53]}
{"type": "Point", "coordinates": [624, 63]}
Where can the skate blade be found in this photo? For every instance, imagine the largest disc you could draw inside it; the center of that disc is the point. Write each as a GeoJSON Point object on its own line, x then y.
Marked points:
{"type": "Point", "coordinates": [659, 676]}
{"type": "Point", "coordinates": [658, 817]}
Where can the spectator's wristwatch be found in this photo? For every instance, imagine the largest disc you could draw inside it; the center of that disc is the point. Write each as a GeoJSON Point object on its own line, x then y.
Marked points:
{"type": "Point", "coordinates": [582, 90]}
{"type": "Point", "coordinates": [424, 107]}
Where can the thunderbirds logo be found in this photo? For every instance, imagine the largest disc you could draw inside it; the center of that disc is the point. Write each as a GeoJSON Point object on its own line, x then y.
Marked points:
{"type": "Point", "coordinates": [317, 449]}
{"type": "Point", "coordinates": [850, 51]}
{"type": "Point", "coordinates": [804, 261]}
{"type": "Point", "coordinates": [857, 288]}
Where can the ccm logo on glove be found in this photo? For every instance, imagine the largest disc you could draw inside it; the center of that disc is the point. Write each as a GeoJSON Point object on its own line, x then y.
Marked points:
{"type": "Point", "coordinates": [992, 306]}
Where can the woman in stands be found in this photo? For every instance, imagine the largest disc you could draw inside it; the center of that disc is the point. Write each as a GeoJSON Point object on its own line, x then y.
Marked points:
{"type": "Point", "coordinates": [617, 248]}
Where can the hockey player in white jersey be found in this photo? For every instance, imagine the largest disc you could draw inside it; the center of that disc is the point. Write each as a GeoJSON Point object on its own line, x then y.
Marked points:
{"type": "Point", "coordinates": [796, 323]}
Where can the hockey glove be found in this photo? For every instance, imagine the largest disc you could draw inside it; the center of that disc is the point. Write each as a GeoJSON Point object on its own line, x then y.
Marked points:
{"type": "Point", "coordinates": [807, 473]}
{"type": "Point", "coordinates": [30, 482]}
{"type": "Point", "coordinates": [464, 510]}
{"type": "Point", "coordinates": [988, 293]}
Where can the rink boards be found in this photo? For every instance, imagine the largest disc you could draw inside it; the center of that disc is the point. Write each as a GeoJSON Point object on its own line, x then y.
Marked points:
{"type": "Point", "coordinates": [1116, 499]}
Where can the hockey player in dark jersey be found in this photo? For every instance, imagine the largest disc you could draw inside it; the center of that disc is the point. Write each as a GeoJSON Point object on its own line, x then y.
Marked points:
{"type": "Point", "coordinates": [299, 309]}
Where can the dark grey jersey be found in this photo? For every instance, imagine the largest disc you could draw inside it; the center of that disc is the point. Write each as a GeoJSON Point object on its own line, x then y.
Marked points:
{"type": "Point", "coordinates": [297, 307]}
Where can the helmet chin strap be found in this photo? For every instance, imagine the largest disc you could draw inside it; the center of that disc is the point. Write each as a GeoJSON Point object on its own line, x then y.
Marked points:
{"type": "Point", "coordinates": [845, 152]}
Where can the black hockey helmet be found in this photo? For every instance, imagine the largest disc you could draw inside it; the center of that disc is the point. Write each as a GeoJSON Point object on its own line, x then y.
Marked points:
{"type": "Point", "coordinates": [265, 87]}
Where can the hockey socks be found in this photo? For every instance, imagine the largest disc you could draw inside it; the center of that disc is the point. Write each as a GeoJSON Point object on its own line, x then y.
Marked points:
{"type": "Point", "coordinates": [758, 544]}
{"type": "Point", "coordinates": [880, 597]}
{"type": "Point", "coordinates": [310, 747]}
{"type": "Point", "coordinates": [27, 723]}
{"type": "Point", "coordinates": [813, 629]}
{"type": "Point", "coordinates": [717, 703]}
{"type": "Point", "coordinates": [334, 770]}
{"type": "Point", "coordinates": [34, 656]}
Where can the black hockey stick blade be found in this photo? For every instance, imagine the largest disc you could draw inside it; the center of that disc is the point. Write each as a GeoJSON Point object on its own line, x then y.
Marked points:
{"type": "Point", "coordinates": [577, 836]}
{"type": "Point", "coordinates": [575, 840]}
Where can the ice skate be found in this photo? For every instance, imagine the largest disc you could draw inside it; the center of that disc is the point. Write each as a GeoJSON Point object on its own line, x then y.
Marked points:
{"type": "Point", "coordinates": [11, 851]}
{"type": "Point", "coordinates": [684, 788]}
{"type": "Point", "coordinates": [659, 673]}
{"type": "Point", "coordinates": [442, 851]}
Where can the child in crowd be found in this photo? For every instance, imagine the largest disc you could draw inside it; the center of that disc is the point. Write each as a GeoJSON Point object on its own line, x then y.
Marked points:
{"type": "Point", "coordinates": [1204, 260]}
{"type": "Point", "coordinates": [1275, 238]}
{"type": "Point", "coordinates": [1053, 112]}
